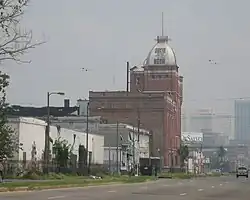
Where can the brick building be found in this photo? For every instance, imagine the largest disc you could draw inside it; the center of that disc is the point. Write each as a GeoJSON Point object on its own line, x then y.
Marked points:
{"type": "Point", "coordinates": [153, 101]}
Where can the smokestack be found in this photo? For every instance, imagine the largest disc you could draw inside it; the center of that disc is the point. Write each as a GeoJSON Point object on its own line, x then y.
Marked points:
{"type": "Point", "coordinates": [66, 103]}
{"type": "Point", "coordinates": [127, 77]}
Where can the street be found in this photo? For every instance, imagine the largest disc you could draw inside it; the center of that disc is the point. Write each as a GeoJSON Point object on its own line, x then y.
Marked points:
{"type": "Point", "coordinates": [212, 188]}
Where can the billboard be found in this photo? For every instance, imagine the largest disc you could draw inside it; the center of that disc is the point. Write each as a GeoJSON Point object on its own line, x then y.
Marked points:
{"type": "Point", "coordinates": [192, 137]}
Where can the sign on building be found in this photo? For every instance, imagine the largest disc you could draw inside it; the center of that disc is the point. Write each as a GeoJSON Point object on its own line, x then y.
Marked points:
{"type": "Point", "coordinates": [192, 137]}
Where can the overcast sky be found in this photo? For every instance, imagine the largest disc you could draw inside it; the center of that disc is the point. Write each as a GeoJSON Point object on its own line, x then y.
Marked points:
{"type": "Point", "coordinates": [102, 35]}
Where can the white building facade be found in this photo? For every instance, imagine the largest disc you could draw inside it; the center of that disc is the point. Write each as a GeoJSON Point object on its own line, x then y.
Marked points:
{"type": "Point", "coordinates": [130, 147]}
{"type": "Point", "coordinates": [77, 122]}
{"type": "Point", "coordinates": [32, 130]}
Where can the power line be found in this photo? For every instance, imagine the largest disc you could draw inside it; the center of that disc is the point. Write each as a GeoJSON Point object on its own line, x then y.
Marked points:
{"type": "Point", "coordinates": [212, 117]}
{"type": "Point", "coordinates": [220, 99]}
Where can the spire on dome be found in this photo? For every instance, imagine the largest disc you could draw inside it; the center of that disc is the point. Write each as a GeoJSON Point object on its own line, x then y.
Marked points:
{"type": "Point", "coordinates": [162, 24]}
{"type": "Point", "coordinates": [162, 38]}
{"type": "Point", "coordinates": [161, 53]}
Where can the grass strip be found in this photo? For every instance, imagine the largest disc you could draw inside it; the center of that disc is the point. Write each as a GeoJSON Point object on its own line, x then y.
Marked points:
{"type": "Point", "coordinates": [69, 182]}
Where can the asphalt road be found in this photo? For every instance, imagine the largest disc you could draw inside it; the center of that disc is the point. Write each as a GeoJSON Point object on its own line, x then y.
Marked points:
{"type": "Point", "coordinates": [214, 188]}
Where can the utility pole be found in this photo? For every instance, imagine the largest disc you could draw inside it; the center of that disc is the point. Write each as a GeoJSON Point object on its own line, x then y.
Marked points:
{"type": "Point", "coordinates": [138, 123]}
{"type": "Point", "coordinates": [87, 138]}
{"type": "Point", "coordinates": [172, 160]}
{"type": "Point", "coordinates": [109, 159]}
{"type": "Point", "coordinates": [138, 137]}
{"type": "Point", "coordinates": [117, 146]}
{"type": "Point", "coordinates": [200, 159]}
{"type": "Point", "coordinates": [133, 146]}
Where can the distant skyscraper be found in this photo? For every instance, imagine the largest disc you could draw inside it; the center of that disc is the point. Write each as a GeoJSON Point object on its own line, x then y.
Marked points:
{"type": "Point", "coordinates": [242, 120]}
{"type": "Point", "coordinates": [223, 123]}
{"type": "Point", "coordinates": [201, 120]}
{"type": "Point", "coordinates": [184, 121]}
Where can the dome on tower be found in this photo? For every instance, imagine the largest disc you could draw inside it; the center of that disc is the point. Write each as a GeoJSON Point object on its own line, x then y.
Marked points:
{"type": "Point", "coordinates": [161, 53]}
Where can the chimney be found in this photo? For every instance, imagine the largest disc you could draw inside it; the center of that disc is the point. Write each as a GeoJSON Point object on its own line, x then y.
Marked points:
{"type": "Point", "coordinates": [66, 103]}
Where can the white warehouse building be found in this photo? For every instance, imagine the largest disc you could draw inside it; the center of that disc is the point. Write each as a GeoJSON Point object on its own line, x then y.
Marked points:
{"type": "Point", "coordinates": [126, 137]}
{"type": "Point", "coordinates": [31, 130]}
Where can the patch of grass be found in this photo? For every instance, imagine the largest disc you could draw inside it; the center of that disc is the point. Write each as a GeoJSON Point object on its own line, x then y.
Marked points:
{"type": "Point", "coordinates": [176, 175]}
{"type": "Point", "coordinates": [70, 182]}
{"type": "Point", "coordinates": [214, 174]}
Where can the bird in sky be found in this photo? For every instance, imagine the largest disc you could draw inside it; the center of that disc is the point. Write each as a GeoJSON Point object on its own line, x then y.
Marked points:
{"type": "Point", "coordinates": [84, 69]}
{"type": "Point", "coordinates": [213, 62]}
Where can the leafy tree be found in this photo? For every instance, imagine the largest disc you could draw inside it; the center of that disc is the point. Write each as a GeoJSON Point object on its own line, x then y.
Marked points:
{"type": "Point", "coordinates": [8, 139]}
{"type": "Point", "coordinates": [183, 152]}
{"type": "Point", "coordinates": [218, 158]}
{"type": "Point", "coordinates": [15, 42]}
{"type": "Point", "coordinates": [221, 153]}
{"type": "Point", "coordinates": [61, 150]}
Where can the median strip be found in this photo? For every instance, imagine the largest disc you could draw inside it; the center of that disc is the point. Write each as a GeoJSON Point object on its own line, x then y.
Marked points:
{"type": "Point", "coordinates": [69, 183]}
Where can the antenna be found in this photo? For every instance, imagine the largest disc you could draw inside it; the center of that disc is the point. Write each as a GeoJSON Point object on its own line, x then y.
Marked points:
{"type": "Point", "coordinates": [162, 24]}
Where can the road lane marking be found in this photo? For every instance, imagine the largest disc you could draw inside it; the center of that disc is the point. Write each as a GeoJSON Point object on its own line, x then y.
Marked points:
{"type": "Point", "coordinates": [200, 190]}
{"type": "Point", "coordinates": [166, 185]}
{"type": "Point", "coordinates": [112, 191]}
{"type": "Point", "coordinates": [56, 197]}
{"type": "Point", "coordinates": [183, 194]}
{"type": "Point", "coordinates": [221, 184]}
{"type": "Point", "coordinates": [212, 186]}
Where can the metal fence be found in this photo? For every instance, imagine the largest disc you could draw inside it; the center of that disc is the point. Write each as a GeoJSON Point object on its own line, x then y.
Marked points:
{"type": "Point", "coordinates": [19, 168]}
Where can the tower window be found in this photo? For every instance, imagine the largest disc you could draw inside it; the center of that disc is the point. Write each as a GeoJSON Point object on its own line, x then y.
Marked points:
{"type": "Point", "coordinates": [160, 61]}
{"type": "Point", "coordinates": [137, 82]}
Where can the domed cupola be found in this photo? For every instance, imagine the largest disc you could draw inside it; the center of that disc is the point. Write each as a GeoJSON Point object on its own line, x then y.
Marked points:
{"type": "Point", "coordinates": [161, 54]}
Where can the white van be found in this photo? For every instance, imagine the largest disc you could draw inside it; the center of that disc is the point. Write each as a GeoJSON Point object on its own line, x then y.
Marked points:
{"type": "Point", "coordinates": [242, 171]}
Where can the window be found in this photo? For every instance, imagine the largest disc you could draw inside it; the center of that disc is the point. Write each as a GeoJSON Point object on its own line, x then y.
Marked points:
{"type": "Point", "coordinates": [159, 61]}
{"type": "Point", "coordinates": [242, 168]}
{"type": "Point", "coordinates": [157, 77]}
{"type": "Point", "coordinates": [137, 81]}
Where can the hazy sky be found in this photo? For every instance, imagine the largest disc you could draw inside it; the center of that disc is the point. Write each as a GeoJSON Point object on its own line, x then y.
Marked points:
{"type": "Point", "coordinates": [102, 35]}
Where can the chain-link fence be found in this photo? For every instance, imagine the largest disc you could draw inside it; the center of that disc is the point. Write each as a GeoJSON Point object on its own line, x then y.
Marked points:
{"type": "Point", "coordinates": [14, 168]}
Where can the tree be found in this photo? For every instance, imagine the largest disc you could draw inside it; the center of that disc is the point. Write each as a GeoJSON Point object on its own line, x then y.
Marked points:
{"type": "Point", "coordinates": [14, 42]}
{"type": "Point", "coordinates": [221, 153]}
{"type": "Point", "coordinates": [184, 153]}
{"type": "Point", "coordinates": [8, 139]}
{"type": "Point", "coordinates": [61, 149]}
{"type": "Point", "coordinates": [218, 159]}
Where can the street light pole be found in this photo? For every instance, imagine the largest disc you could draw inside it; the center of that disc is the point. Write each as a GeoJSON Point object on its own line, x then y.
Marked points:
{"type": "Point", "coordinates": [47, 131]}
{"type": "Point", "coordinates": [117, 147]}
